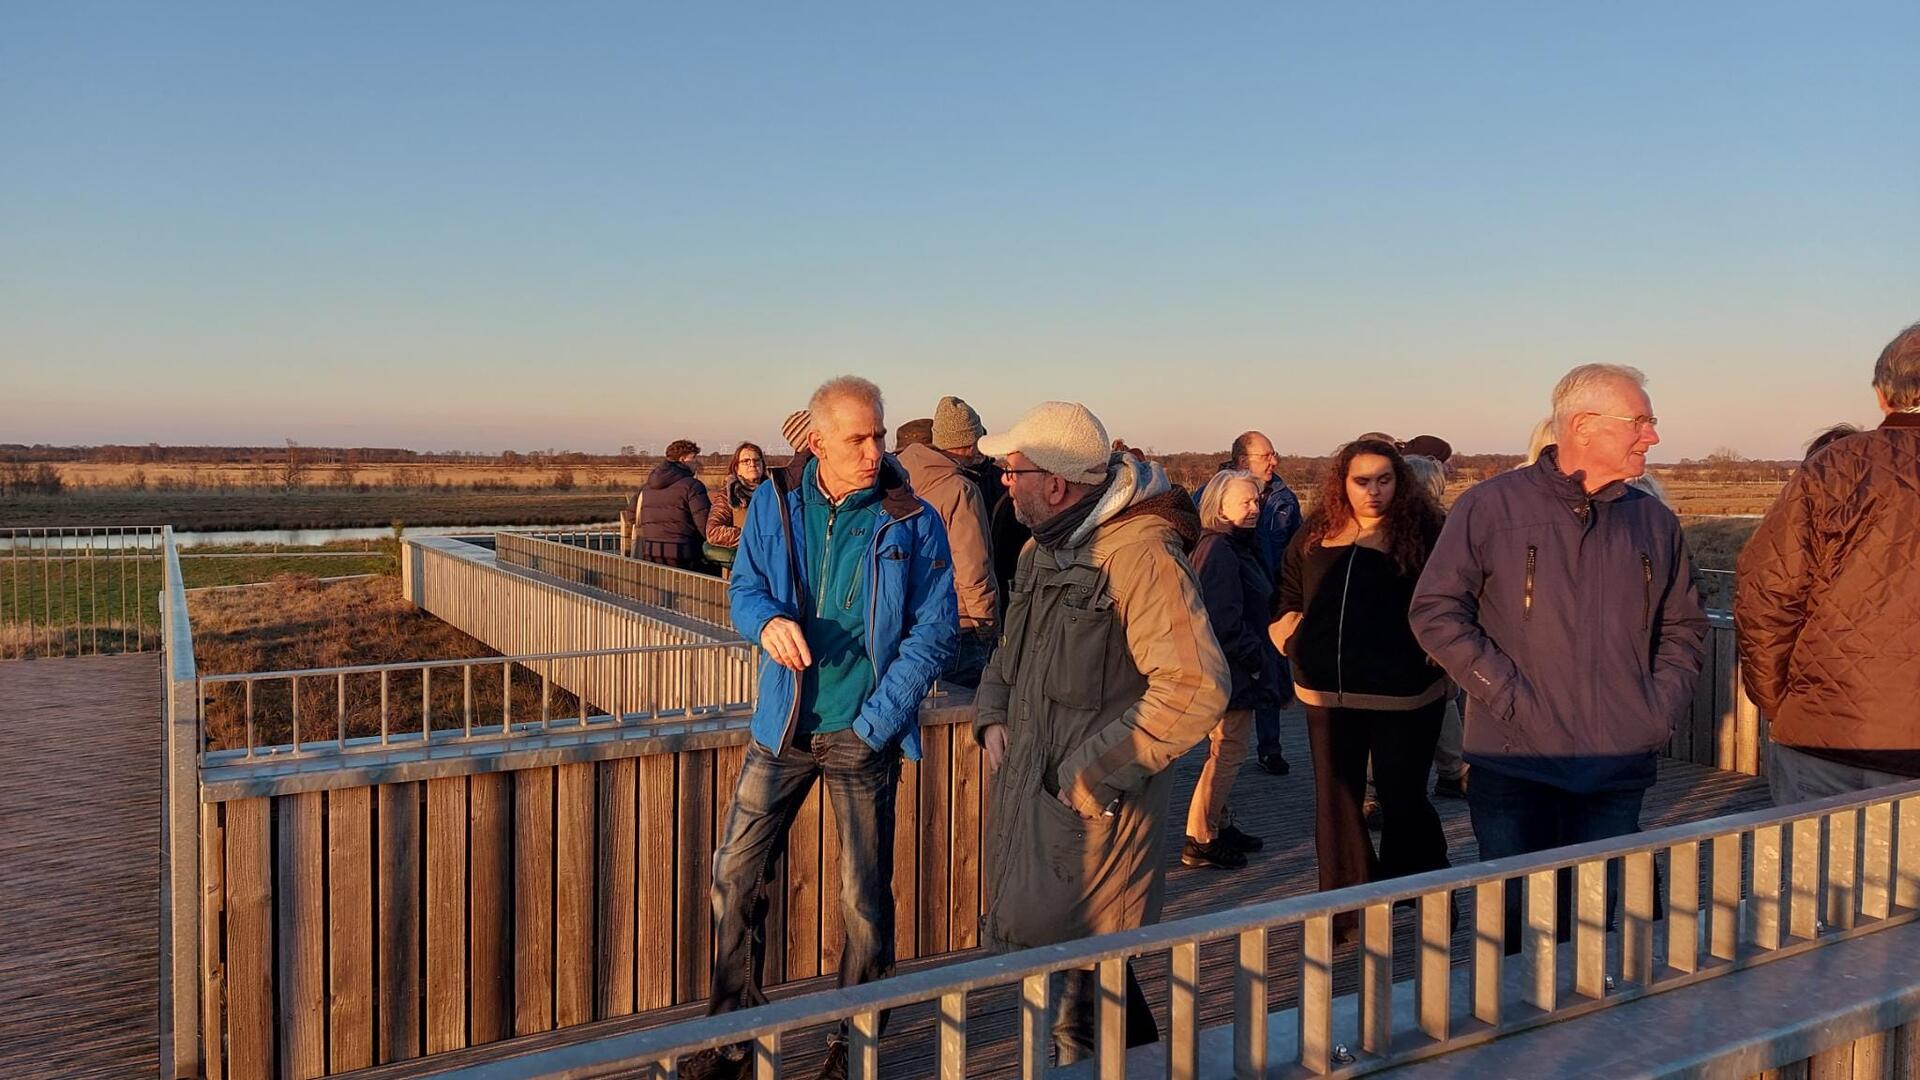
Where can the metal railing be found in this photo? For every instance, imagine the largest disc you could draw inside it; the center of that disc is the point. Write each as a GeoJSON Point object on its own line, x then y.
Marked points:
{"type": "Point", "coordinates": [1737, 891]}
{"type": "Point", "coordinates": [79, 591]}
{"type": "Point", "coordinates": [682, 591]}
{"type": "Point", "coordinates": [181, 927]}
{"type": "Point", "coordinates": [344, 710]}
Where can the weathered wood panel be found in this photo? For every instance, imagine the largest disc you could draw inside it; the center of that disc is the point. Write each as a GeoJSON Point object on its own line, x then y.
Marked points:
{"type": "Point", "coordinates": [400, 1032]}
{"type": "Point", "coordinates": [533, 900]}
{"type": "Point", "coordinates": [614, 957]}
{"type": "Point", "coordinates": [350, 927]}
{"type": "Point", "coordinates": [654, 909]}
{"type": "Point", "coordinates": [489, 907]}
{"type": "Point", "coordinates": [300, 926]}
{"type": "Point", "coordinates": [693, 938]}
{"type": "Point", "coordinates": [446, 914]}
{"type": "Point", "coordinates": [574, 805]}
{"type": "Point", "coordinates": [249, 990]}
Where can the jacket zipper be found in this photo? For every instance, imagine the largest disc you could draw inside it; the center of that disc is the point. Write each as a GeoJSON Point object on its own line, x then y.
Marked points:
{"type": "Point", "coordinates": [826, 563]}
{"type": "Point", "coordinates": [1526, 599]}
{"type": "Point", "coordinates": [1340, 638]}
{"type": "Point", "coordinates": [1646, 574]}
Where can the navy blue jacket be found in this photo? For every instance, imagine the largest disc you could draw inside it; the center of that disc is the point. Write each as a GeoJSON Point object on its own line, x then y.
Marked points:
{"type": "Point", "coordinates": [1572, 622]}
{"type": "Point", "coordinates": [906, 588]}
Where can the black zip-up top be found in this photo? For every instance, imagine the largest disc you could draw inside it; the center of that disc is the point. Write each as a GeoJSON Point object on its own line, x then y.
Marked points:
{"type": "Point", "coordinates": [1353, 648]}
{"type": "Point", "coordinates": [1572, 621]}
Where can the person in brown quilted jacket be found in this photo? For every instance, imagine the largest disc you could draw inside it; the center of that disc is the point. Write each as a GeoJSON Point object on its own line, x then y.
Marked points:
{"type": "Point", "coordinates": [1828, 603]}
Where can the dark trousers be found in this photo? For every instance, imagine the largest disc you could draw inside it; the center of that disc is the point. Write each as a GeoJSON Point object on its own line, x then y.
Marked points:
{"type": "Point", "coordinates": [1512, 816]}
{"type": "Point", "coordinates": [1266, 719]}
{"type": "Point", "coordinates": [1401, 743]}
{"type": "Point", "coordinates": [1075, 1020]}
{"type": "Point", "coordinates": [861, 782]}
{"type": "Point", "coordinates": [679, 554]}
{"type": "Point", "coordinates": [969, 659]}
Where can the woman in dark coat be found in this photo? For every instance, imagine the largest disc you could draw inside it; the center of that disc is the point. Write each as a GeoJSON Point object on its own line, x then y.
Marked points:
{"type": "Point", "coordinates": [1340, 617]}
{"type": "Point", "coordinates": [1238, 593]}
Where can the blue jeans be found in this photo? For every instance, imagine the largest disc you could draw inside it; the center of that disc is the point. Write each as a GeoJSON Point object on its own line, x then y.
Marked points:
{"type": "Point", "coordinates": [969, 659]}
{"type": "Point", "coordinates": [1512, 816]}
{"type": "Point", "coordinates": [861, 782]}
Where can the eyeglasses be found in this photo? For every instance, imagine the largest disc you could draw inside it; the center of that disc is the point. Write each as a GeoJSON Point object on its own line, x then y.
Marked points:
{"type": "Point", "coordinates": [1020, 472]}
{"type": "Point", "coordinates": [1636, 421]}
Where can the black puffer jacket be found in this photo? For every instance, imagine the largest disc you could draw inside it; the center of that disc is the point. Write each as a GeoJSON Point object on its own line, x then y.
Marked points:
{"type": "Point", "coordinates": [1238, 593]}
{"type": "Point", "coordinates": [1353, 647]}
{"type": "Point", "coordinates": [673, 513]}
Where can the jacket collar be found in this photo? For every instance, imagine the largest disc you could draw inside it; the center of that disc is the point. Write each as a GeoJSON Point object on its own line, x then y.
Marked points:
{"type": "Point", "coordinates": [1900, 420]}
{"type": "Point", "coordinates": [895, 491]}
{"type": "Point", "coordinates": [1571, 490]}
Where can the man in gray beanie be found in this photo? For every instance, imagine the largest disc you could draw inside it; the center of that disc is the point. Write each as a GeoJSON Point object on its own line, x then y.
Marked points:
{"type": "Point", "coordinates": [939, 476]}
{"type": "Point", "coordinates": [1107, 671]}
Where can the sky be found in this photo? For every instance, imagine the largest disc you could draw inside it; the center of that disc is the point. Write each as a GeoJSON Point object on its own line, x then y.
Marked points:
{"type": "Point", "coordinates": [480, 226]}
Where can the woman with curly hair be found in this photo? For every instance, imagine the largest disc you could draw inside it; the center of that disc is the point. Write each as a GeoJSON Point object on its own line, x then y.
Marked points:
{"type": "Point", "coordinates": [1340, 616]}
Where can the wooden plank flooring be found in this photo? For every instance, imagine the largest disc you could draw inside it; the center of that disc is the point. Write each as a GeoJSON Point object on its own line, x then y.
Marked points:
{"type": "Point", "coordinates": [1279, 809]}
{"type": "Point", "coordinates": [80, 778]}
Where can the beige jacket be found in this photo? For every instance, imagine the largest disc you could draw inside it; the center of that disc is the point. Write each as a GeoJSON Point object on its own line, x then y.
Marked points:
{"type": "Point", "coordinates": [1107, 671]}
{"type": "Point", "coordinates": [937, 479]}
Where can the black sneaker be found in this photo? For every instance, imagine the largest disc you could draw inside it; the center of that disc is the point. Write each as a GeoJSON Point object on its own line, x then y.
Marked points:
{"type": "Point", "coordinates": [835, 1065]}
{"type": "Point", "coordinates": [1275, 763]}
{"type": "Point", "coordinates": [1238, 841]}
{"type": "Point", "coordinates": [1450, 787]}
{"type": "Point", "coordinates": [1216, 855]}
{"type": "Point", "coordinates": [720, 1063]}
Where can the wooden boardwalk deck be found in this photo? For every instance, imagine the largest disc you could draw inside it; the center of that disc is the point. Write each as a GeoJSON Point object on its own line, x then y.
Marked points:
{"type": "Point", "coordinates": [80, 866]}
{"type": "Point", "coordinates": [1279, 809]}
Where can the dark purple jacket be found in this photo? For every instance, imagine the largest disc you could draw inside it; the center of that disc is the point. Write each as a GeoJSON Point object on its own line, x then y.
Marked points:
{"type": "Point", "coordinates": [1572, 622]}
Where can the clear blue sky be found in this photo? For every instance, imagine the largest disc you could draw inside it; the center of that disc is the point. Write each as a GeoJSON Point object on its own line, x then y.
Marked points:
{"type": "Point", "coordinates": [489, 225]}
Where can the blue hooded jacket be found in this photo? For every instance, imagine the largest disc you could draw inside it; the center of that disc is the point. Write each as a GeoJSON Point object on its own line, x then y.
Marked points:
{"type": "Point", "coordinates": [913, 620]}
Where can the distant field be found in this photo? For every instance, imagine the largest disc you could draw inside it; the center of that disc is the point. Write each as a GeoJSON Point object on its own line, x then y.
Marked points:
{"type": "Point", "coordinates": [108, 605]}
{"type": "Point", "coordinates": [310, 508]}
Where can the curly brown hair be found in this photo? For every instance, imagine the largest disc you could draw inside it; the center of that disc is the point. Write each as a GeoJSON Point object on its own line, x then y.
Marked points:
{"type": "Point", "coordinates": [1413, 518]}
{"type": "Point", "coordinates": [680, 448]}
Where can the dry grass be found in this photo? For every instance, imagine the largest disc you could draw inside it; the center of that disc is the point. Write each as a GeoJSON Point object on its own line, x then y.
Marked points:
{"type": "Point", "coordinates": [295, 622]}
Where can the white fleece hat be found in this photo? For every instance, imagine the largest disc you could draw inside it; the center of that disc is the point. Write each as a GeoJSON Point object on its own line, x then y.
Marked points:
{"type": "Point", "coordinates": [1062, 437]}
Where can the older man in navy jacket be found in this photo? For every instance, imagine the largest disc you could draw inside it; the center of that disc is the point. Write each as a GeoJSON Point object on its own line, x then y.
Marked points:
{"type": "Point", "coordinates": [1563, 602]}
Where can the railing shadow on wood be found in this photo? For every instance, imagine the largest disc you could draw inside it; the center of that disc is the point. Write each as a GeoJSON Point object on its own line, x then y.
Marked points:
{"type": "Point", "coordinates": [1729, 893]}
{"type": "Point", "coordinates": [371, 902]}
{"type": "Point", "coordinates": [697, 595]}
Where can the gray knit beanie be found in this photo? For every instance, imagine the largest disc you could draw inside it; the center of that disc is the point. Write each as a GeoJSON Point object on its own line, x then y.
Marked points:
{"type": "Point", "coordinates": [955, 425]}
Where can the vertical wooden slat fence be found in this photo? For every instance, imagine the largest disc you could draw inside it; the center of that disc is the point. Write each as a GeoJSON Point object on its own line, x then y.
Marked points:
{"type": "Point", "coordinates": [473, 906]}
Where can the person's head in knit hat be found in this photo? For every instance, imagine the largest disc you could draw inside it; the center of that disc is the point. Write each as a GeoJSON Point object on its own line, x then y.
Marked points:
{"type": "Point", "coordinates": [957, 428]}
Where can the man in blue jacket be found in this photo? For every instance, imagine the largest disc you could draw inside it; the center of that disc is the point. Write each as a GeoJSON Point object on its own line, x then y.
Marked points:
{"type": "Point", "coordinates": [847, 585]}
{"type": "Point", "coordinates": [1562, 601]}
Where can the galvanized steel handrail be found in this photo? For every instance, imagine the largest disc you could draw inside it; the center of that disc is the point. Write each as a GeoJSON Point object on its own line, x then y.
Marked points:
{"type": "Point", "coordinates": [181, 931]}
{"type": "Point", "coordinates": [681, 681]}
{"type": "Point", "coordinates": [1868, 845]}
{"type": "Point", "coordinates": [700, 596]}
{"type": "Point", "coordinates": [63, 589]}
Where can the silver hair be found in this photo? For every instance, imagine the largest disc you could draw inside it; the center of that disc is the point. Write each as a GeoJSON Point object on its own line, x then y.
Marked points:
{"type": "Point", "coordinates": [1430, 474]}
{"type": "Point", "coordinates": [1214, 495]}
{"type": "Point", "coordinates": [1897, 373]}
{"type": "Point", "coordinates": [1577, 389]}
{"type": "Point", "coordinates": [845, 388]}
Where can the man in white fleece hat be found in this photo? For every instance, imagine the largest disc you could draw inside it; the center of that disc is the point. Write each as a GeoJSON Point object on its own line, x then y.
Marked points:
{"type": "Point", "coordinates": [1107, 672]}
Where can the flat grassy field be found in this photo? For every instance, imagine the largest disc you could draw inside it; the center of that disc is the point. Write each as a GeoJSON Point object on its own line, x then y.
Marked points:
{"type": "Point", "coordinates": [310, 508]}
{"type": "Point", "coordinates": [112, 604]}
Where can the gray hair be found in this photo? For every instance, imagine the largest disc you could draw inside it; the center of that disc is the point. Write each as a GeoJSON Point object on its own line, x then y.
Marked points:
{"type": "Point", "coordinates": [1429, 473]}
{"type": "Point", "coordinates": [845, 388]}
{"type": "Point", "coordinates": [1897, 374]}
{"type": "Point", "coordinates": [1577, 390]}
{"type": "Point", "coordinates": [1214, 495]}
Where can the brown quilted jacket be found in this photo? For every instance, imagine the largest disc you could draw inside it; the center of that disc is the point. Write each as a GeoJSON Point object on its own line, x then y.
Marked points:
{"type": "Point", "coordinates": [1828, 600]}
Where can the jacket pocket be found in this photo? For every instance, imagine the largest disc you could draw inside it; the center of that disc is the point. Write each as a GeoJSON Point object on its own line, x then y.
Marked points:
{"type": "Point", "coordinates": [1526, 590]}
{"type": "Point", "coordinates": [1077, 666]}
{"type": "Point", "coordinates": [1646, 593]}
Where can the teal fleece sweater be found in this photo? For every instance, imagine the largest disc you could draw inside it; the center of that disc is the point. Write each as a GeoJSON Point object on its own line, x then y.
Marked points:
{"type": "Point", "coordinates": [838, 539]}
